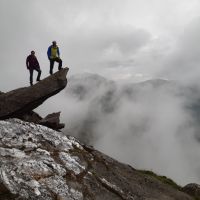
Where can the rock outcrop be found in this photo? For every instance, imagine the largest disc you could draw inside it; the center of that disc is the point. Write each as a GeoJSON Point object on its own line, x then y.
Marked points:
{"type": "Point", "coordinates": [38, 163]}
{"type": "Point", "coordinates": [52, 121]}
{"type": "Point", "coordinates": [31, 116]}
{"type": "Point", "coordinates": [23, 100]}
{"type": "Point", "coordinates": [192, 189]}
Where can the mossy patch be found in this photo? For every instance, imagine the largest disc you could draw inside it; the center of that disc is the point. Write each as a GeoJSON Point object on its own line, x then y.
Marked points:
{"type": "Point", "coordinates": [163, 179]}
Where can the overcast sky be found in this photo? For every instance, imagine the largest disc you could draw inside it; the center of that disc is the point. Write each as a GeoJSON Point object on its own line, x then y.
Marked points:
{"type": "Point", "coordinates": [119, 39]}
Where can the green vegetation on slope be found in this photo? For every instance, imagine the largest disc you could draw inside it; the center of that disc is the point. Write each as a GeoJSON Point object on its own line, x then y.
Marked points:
{"type": "Point", "coordinates": [163, 179]}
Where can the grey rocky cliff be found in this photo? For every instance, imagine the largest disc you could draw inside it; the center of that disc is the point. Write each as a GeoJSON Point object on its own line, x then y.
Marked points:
{"type": "Point", "coordinates": [39, 163]}
{"type": "Point", "coordinates": [18, 102]}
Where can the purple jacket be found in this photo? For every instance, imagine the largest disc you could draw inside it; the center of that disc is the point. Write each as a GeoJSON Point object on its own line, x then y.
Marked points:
{"type": "Point", "coordinates": [32, 62]}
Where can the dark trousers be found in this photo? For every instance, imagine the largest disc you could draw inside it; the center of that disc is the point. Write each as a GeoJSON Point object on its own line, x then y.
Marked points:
{"type": "Point", "coordinates": [52, 60]}
{"type": "Point", "coordinates": [31, 75]}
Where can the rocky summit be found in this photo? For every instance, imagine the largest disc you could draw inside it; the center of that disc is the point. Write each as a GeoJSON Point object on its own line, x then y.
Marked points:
{"type": "Point", "coordinates": [39, 163]}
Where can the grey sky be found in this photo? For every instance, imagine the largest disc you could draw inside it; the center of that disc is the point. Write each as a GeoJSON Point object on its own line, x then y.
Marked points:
{"type": "Point", "coordinates": [135, 39]}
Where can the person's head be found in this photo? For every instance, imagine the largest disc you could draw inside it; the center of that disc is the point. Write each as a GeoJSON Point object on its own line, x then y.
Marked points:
{"type": "Point", "coordinates": [54, 43]}
{"type": "Point", "coordinates": [32, 52]}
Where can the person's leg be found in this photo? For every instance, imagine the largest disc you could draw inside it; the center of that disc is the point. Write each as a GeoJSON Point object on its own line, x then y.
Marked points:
{"type": "Point", "coordinates": [31, 76]}
{"type": "Point", "coordinates": [39, 74]}
{"type": "Point", "coordinates": [51, 66]}
{"type": "Point", "coordinates": [59, 63]}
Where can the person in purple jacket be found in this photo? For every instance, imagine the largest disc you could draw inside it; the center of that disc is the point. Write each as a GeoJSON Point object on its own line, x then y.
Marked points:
{"type": "Point", "coordinates": [33, 64]}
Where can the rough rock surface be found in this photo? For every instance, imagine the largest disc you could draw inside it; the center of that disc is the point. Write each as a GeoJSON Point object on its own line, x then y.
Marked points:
{"type": "Point", "coordinates": [31, 116]}
{"type": "Point", "coordinates": [192, 189]}
{"type": "Point", "coordinates": [38, 163]}
{"type": "Point", "coordinates": [52, 121]}
{"type": "Point", "coordinates": [23, 100]}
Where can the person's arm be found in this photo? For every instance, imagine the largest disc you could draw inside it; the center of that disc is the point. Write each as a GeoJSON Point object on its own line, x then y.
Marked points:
{"type": "Point", "coordinates": [49, 52]}
{"type": "Point", "coordinates": [37, 62]}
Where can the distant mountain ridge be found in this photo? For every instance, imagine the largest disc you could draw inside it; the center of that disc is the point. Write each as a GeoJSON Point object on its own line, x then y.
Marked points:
{"type": "Point", "coordinates": [87, 83]}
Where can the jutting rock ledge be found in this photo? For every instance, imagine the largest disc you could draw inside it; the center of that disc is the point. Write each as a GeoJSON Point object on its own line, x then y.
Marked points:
{"type": "Point", "coordinates": [22, 101]}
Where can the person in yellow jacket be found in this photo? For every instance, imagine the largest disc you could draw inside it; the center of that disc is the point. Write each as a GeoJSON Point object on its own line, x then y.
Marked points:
{"type": "Point", "coordinates": [53, 54]}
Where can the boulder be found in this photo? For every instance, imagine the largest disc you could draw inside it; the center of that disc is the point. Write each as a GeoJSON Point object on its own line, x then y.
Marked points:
{"type": "Point", "coordinates": [23, 100]}
{"type": "Point", "coordinates": [192, 189]}
{"type": "Point", "coordinates": [52, 121]}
